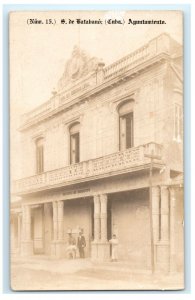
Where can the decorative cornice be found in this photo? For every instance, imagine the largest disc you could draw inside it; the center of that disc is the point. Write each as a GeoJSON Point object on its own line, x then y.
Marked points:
{"type": "Point", "coordinates": [156, 51]}
{"type": "Point", "coordinates": [96, 90]}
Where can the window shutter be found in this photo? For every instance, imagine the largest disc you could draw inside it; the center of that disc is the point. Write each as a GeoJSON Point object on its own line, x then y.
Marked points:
{"type": "Point", "coordinates": [74, 148]}
{"type": "Point", "coordinates": [77, 148]}
{"type": "Point", "coordinates": [122, 133]}
{"type": "Point", "coordinates": [39, 155]}
{"type": "Point", "coordinates": [42, 159]}
{"type": "Point", "coordinates": [129, 130]}
{"type": "Point", "coordinates": [125, 111]}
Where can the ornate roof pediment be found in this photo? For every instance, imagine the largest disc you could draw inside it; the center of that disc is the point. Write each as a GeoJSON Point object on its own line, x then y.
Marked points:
{"type": "Point", "coordinates": [78, 65]}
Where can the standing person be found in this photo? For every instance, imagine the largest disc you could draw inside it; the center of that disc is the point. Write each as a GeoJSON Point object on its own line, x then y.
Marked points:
{"type": "Point", "coordinates": [81, 244]}
{"type": "Point", "coordinates": [71, 249]}
{"type": "Point", "coordinates": [114, 243]}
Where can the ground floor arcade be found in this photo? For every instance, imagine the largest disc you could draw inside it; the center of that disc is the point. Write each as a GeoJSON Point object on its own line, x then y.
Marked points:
{"type": "Point", "coordinates": [42, 228]}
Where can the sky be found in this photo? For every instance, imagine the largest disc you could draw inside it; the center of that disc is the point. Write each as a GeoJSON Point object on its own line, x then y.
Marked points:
{"type": "Point", "coordinates": [38, 53]}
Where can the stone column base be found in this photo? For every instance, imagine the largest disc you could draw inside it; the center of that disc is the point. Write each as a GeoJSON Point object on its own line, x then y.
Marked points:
{"type": "Point", "coordinates": [100, 251]}
{"type": "Point", "coordinates": [162, 263]}
{"type": "Point", "coordinates": [58, 249]}
{"type": "Point", "coordinates": [27, 248]}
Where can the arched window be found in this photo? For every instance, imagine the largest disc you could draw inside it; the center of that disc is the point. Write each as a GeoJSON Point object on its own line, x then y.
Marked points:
{"type": "Point", "coordinates": [74, 143]}
{"type": "Point", "coordinates": [39, 155]}
{"type": "Point", "coordinates": [125, 111]}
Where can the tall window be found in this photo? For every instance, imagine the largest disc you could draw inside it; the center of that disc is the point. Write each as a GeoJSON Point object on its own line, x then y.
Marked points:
{"type": "Point", "coordinates": [178, 126]}
{"type": "Point", "coordinates": [126, 125]}
{"type": "Point", "coordinates": [40, 155]}
{"type": "Point", "coordinates": [75, 143]}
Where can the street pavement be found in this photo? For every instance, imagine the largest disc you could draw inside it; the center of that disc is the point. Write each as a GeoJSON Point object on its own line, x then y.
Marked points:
{"type": "Point", "coordinates": [45, 273]}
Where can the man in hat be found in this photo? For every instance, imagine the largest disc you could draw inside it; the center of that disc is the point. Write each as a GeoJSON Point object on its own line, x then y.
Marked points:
{"type": "Point", "coordinates": [81, 244]}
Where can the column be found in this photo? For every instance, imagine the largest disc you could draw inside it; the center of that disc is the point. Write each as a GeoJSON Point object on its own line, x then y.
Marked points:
{"type": "Point", "coordinates": [58, 245]}
{"type": "Point", "coordinates": [96, 218]}
{"type": "Point", "coordinates": [103, 216]}
{"type": "Point", "coordinates": [28, 222]}
{"type": "Point", "coordinates": [60, 205]}
{"type": "Point", "coordinates": [163, 246]}
{"type": "Point", "coordinates": [164, 213]}
{"type": "Point", "coordinates": [23, 223]}
{"type": "Point", "coordinates": [12, 231]}
{"type": "Point", "coordinates": [27, 243]}
{"type": "Point", "coordinates": [172, 230]}
{"type": "Point", "coordinates": [155, 212]}
{"type": "Point", "coordinates": [155, 221]}
{"type": "Point", "coordinates": [100, 246]}
{"type": "Point", "coordinates": [55, 224]}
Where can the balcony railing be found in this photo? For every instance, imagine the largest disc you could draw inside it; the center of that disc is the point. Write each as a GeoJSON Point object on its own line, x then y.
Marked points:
{"type": "Point", "coordinates": [158, 45]}
{"type": "Point", "coordinates": [119, 162]}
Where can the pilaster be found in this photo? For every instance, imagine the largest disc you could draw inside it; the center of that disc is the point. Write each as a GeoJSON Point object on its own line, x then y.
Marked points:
{"type": "Point", "coordinates": [100, 245]}
{"type": "Point", "coordinates": [172, 230]}
{"type": "Point", "coordinates": [163, 246]}
{"type": "Point", "coordinates": [27, 242]}
{"type": "Point", "coordinates": [96, 218]}
{"type": "Point", "coordinates": [58, 245]}
{"type": "Point", "coordinates": [103, 217]}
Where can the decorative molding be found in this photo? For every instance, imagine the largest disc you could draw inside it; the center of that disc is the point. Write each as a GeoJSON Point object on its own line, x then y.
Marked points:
{"type": "Point", "coordinates": [38, 134]}
{"type": "Point", "coordinates": [72, 120]}
{"type": "Point", "coordinates": [79, 65]}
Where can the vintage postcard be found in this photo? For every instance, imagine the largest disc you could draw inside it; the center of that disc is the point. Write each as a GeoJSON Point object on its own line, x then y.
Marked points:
{"type": "Point", "coordinates": [96, 150]}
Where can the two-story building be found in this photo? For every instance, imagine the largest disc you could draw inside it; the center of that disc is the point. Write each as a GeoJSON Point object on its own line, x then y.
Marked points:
{"type": "Point", "coordinates": [104, 155]}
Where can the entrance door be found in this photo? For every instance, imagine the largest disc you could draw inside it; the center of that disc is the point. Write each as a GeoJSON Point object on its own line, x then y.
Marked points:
{"type": "Point", "coordinates": [37, 230]}
{"type": "Point", "coordinates": [130, 222]}
{"type": "Point", "coordinates": [74, 151]}
{"type": "Point", "coordinates": [109, 220]}
{"type": "Point", "coordinates": [126, 131]}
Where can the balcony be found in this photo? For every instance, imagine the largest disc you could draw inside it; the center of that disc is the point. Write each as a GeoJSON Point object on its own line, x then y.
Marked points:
{"type": "Point", "coordinates": [130, 160]}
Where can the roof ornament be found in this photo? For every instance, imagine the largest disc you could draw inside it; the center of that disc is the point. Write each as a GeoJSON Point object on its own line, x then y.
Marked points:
{"type": "Point", "coordinates": [78, 65]}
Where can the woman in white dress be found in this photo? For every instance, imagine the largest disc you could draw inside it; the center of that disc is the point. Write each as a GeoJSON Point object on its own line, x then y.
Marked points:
{"type": "Point", "coordinates": [114, 243]}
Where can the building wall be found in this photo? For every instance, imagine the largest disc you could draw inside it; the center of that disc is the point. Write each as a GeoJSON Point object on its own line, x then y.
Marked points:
{"type": "Point", "coordinates": [99, 133]}
{"type": "Point", "coordinates": [130, 222]}
{"type": "Point", "coordinates": [48, 227]}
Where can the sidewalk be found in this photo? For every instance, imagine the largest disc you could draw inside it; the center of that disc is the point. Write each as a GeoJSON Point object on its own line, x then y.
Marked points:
{"type": "Point", "coordinates": [43, 273]}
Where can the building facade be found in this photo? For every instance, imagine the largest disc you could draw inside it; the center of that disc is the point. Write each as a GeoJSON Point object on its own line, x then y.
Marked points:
{"type": "Point", "coordinates": [104, 156]}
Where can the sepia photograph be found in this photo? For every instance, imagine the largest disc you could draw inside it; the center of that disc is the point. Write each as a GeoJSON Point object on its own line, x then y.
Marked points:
{"type": "Point", "coordinates": [96, 150]}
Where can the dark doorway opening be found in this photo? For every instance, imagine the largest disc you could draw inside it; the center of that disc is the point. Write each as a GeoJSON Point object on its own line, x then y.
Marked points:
{"type": "Point", "coordinates": [109, 221]}
{"type": "Point", "coordinates": [92, 220]}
